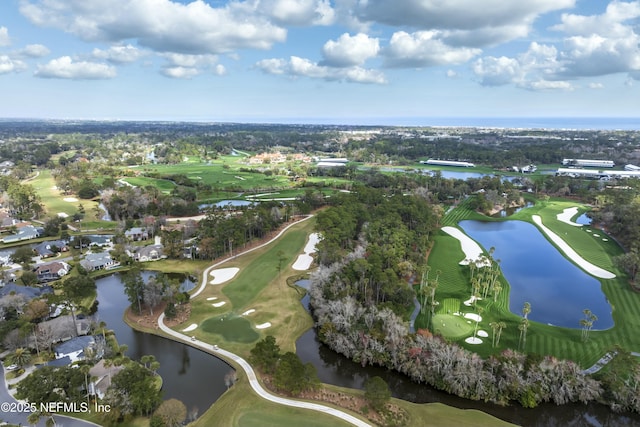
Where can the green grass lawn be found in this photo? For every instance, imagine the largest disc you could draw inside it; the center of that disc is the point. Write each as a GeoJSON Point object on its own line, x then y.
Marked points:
{"type": "Point", "coordinates": [543, 339]}
{"type": "Point", "coordinates": [220, 177]}
{"type": "Point", "coordinates": [231, 328]}
{"type": "Point", "coordinates": [452, 327]}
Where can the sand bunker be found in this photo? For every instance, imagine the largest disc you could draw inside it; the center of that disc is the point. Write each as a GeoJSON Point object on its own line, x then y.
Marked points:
{"type": "Point", "coordinates": [566, 216]}
{"type": "Point", "coordinates": [190, 328]}
{"type": "Point", "coordinates": [571, 254]}
{"type": "Point", "coordinates": [303, 262]}
{"type": "Point", "coordinates": [472, 251]}
{"type": "Point", "coordinates": [212, 298]}
{"type": "Point", "coordinates": [70, 199]}
{"type": "Point", "coordinates": [473, 340]}
{"type": "Point", "coordinates": [63, 215]}
{"type": "Point", "coordinates": [219, 304]}
{"type": "Point", "coordinates": [248, 312]}
{"type": "Point", "coordinates": [263, 325]}
{"type": "Point", "coordinates": [473, 317]}
{"type": "Point", "coordinates": [222, 275]}
{"type": "Point", "coordinates": [482, 334]}
{"type": "Point", "coordinates": [471, 300]}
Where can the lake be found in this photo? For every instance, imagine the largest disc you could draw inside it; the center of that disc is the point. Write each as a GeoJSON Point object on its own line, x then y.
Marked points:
{"type": "Point", "coordinates": [557, 289]}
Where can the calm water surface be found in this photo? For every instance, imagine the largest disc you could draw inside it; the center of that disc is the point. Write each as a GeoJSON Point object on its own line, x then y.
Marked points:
{"type": "Point", "coordinates": [557, 289]}
{"type": "Point", "coordinates": [190, 375]}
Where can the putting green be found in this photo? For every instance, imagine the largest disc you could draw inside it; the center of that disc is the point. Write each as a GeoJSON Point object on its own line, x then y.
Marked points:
{"type": "Point", "coordinates": [451, 326]}
{"type": "Point", "coordinates": [232, 328]}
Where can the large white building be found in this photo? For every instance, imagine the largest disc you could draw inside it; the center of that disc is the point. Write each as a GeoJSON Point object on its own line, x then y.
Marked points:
{"type": "Point", "coordinates": [587, 163]}
{"type": "Point", "coordinates": [447, 163]}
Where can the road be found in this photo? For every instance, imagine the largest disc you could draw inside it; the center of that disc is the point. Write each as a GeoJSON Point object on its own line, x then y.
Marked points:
{"type": "Point", "coordinates": [253, 380]}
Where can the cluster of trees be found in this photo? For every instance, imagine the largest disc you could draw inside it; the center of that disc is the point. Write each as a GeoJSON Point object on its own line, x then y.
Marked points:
{"type": "Point", "coordinates": [150, 293]}
{"type": "Point", "coordinates": [389, 234]}
{"type": "Point", "coordinates": [287, 371]}
{"type": "Point", "coordinates": [220, 233]}
{"type": "Point", "coordinates": [20, 199]}
{"type": "Point", "coordinates": [377, 336]}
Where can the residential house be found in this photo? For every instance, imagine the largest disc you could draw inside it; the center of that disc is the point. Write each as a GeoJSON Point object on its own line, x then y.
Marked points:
{"type": "Point", "coordinates": [26, 232]}
{"type": "Point", "coordinates": [74, 349]}
{"type": "Point", "coordinates": [50, 248]}
{"type": "Point", "coordinates": [102, 376]}
{"type": "Point", "coordinates": [136, 234]}
{"type": "Point", "coordinates": [99, 261]}
{"type": "Point", "coordinates": [28, 292]}
{"type": "Point", "coordinates": [146, 253]}
{"type": "Point", "coordinates": [52, 271]}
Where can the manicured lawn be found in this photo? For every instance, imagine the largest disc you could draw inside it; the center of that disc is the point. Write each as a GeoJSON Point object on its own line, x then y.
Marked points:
{"type": "Point", "coordinates": [260, 287]}
{"type": "Point", "coordinates": [543, 339]}
{"type": "Point", "coordinates": [452, 327]}
{"type": "Point", "coordinates": [232, 328]}
{"type": "Point", "coordinates": [240, 407]}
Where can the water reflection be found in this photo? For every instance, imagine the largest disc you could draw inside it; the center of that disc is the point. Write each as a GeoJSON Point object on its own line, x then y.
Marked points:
{"type": "Point", "coordinates": [190, 375]}
{"type": "Point", "coordinates": [537, 273]}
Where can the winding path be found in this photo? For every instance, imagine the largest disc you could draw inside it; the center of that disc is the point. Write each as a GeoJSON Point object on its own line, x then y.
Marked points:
{"type": "Point", "coordinates": [251, 375]}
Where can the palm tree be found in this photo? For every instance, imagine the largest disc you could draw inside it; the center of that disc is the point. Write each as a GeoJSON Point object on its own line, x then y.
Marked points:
{"type": "Point", "coordinates": [21, 357]}
{"type": "Point", "coordinates": [587, 323]}
{"type": "Point", "coordinates": [501, 326]}
{"type": "Point", "coordinates": [524, 325]}
{"type": "Point", "coordinates": [526, 309]}
{"type": "Point", "coordinates": [494, 328]}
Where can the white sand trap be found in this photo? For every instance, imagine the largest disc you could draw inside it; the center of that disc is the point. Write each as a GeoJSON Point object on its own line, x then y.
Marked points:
{"type": "Point", "coordinates": [571, 254]}
{"type": "Point", "coordinates": [473, 316]}
{"type": "Point", "coordinates": [588, 231]}
{"type": "Point", "coordinates": [70, 199]}
{"type": "Point", "coordinates": [212, 298]}
{"type": "Point", "coordinates": [246, 313]}
{"type": "Point", "coordinates": [472, 250]}
{"type": "Point", "coordinates": [222, 275]}
{"type": "Point", "coordinates": [63, 215]}
{"type": "Point", "coordinates": [482, 334]}
{"type": "Point", "coordinates": [473, 340]}
{"type": "Point", "coordinates": [605, 240]}
{"type": "Point", "coordinates": [596, 235]}
{"type": "Point", "coordinates": [263, 325]}
{"type": "Point", "coordinates": [219, 304]}
{"type": "Point", "coordinates": [190, 328]}
{"type": "Point", "coordinates": [303, 262]}
{"type": "Point", "coordinates": [566, 216]}
{"type": "Point", "coordinates": [471, 301]}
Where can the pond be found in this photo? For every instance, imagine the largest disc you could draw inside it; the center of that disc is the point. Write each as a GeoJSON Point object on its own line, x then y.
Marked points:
{"type": "Point", "coordinates": [190, 375]}
{"type": "Point", "coordinates": [557, 289]}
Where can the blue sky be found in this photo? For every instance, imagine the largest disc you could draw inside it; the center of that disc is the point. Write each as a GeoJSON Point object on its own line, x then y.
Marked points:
{"type": "Point", "coordinates": [309, 61]}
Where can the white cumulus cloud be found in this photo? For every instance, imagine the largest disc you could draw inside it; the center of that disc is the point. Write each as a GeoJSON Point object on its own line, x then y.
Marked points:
{"type": "Point", "coordinates": [468, 21]}
{"type": "Point", "coordinates": [350, 50]}
{"type": "Point", "coordinates": [119, 54]}
{"type": "Point", "coordinates": [424, 49]}
{"type": "Point", "coordinates": [179, 72]}
{"type": "Point", "coordinates": [35, 51]}
{"type": "Point", "coordinates": [66, 68]}
{"type": "Point", "coordinates": [161, 25]}
{"type": "Point", "coordinates": [302, 67]}
{"type": "Point", "coordinates": [298, 12]}
{"type": "Point", "coordinates": [9, 65]}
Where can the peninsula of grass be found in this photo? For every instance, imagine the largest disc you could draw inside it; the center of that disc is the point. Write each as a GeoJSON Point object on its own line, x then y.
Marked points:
{"type": "Point", "coordinates": [542, 339]}
{"type": "Point", "coordinates": [260, 286]}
